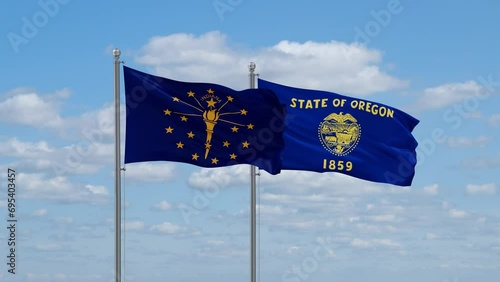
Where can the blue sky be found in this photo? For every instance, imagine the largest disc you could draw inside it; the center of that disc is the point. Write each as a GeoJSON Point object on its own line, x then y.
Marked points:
{"type": "Point", "coordinates": [434, 59]}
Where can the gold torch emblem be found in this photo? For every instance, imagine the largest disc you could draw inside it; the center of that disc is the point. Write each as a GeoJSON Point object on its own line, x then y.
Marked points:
{"type": "Point", "coordinates": [206, 106]}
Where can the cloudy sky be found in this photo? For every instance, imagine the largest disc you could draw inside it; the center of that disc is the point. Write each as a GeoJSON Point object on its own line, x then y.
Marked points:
{"type": "Point", "coordinates": [437, 60]}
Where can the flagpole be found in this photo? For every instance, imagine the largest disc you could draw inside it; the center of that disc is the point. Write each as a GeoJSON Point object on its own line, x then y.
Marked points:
{"type": "Point", "coordinates": [253, 211]}
{"type": "Point", "coordinates": [118, 234]}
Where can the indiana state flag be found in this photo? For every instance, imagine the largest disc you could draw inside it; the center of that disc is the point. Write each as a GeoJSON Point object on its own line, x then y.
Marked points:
{"type": "Point", "coordinates": [327, 132]}
{"type": "Point", "coordinates": [203, 124]}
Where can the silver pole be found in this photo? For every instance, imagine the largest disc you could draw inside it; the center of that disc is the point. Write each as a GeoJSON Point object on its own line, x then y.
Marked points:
{"type": "Point", "coordinates": [118, 229]}
{"type": "Point", "coordinates": [253, 211]}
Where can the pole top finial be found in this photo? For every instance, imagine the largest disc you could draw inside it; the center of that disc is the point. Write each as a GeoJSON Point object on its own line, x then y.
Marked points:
{"type": "Point", "coordinates": [116, 53]}
{"type": "Point", "coordinates": [251, 66]}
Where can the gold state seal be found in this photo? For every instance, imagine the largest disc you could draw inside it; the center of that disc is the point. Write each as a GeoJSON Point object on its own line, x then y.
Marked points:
{"type": "Point", "coordinates": [339, 133]}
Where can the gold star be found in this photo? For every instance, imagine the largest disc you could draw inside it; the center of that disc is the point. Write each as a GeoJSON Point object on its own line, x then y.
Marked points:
{"type": "Point", "coordinates": [207, 146]}
{"type": "Point", "coordinates": [169, 129]}
{"type": "Point", "coordinates": [211, 103]}
{"type": "Point", "coordinates": [230, 99]}
{"type": "Point", "coordinates": [233, 156]}
{"type": "Point", "coordinates": [250, 126]}
{"type": "Point", "coordinates": [245, 144]}
{"type": "Point", "coordinates": [226, 144]}
{"type": "Point", "coordinates": [243, 112]}
{"type": "Point", "coordinates": [190, 94]}
{"type": "Point", "coordinates": [176, 99]}
{"type": "Point", "coordinates": [167, 112]}
{"type": "Point", "coordinates": [234, 129]}
{"type": "Point", "coordinates": [215, 161]}
{"type": "Point", "coordinates": [190, 134]}
{"type": "Point", "coordinates": [184, 118]}
{"type": "Point", "coordinates": [210, 91]}
{"type": "Point", "coordinates": [195, 156]}
{"type": "Point", "coordinates": [180, 145]}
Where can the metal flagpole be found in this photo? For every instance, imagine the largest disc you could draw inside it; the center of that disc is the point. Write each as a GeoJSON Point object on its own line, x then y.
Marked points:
{"type": "Point", "coordinates": [253, 211]}
{"type": "Point", "coordinates": [118, 229]}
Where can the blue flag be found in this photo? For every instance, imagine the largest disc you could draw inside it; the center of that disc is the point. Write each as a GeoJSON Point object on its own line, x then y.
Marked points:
{"type": "Point", "coordinates": [203, 124]}
{"type": "Point", "coordinates": [326, 132]}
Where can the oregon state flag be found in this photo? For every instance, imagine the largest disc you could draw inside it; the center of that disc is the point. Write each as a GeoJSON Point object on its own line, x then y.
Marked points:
{"type": "Point", "coordinates": [202, 124]}
{"type": "Point", "coordinates": [328, 132]}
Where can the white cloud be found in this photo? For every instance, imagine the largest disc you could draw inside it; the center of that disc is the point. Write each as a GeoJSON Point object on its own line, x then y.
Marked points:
{"type": "Point", "coordinates": [482, 162]}
{"type": "Point", "coordinates": [25, 106]}
{"type": "Point", "coordinates": [168, 228]}
{"type": "Point", "coordinates": [49, 277]}
{"type": "Point", "coordinates": [306, 194]}
{"type": "Point", "coordinates": [360, 243]}
{"type": "Point", "coordinates": [494, 120]}
{"type": "Point", "coordinates": [431, 236]}
{"type": "Point", "coordinates": [334, 66]}
{"type": "Point", "coordinates": [29, 108]}
{"type": "Point", "coordinates": [485, 189]}
{"type": "Point", "coordinates": [186, 48]}
{"type": "Point", "coordinates": [151, 172]}
{"type": "Point", "coordinates": [275, 210]}
{"type": "Point", "coordinates": [300, 225]}
{"type": "Point", "coordinates": [465, 142]}
{"type": "Point", "coordinates": [64, 220]}
{"type": "Point", "coordinates": [60, 189]}
{"type": "Point", "coordinates": [293, 249]}
{"type": "Point", "coordinates": [60, 277]}
{"type": "Point", "coordinates": [89, 132]}
{"type": "Point", "coordinates": [455, 213]}
{"type": "Point", "coordinates": [215, 242]}
{"type": "Point", "coordinates": [219, 178]}
{"type": "Point", "coordinates": [39, 212]}
{"type": "Point", "coordinates": [320, 203]}
{"type": "Point", "coordinates": [133, 225]}
{"type": "Point", "coordinates": [448, 94]}
{"type": "Point", "coordinates": [431, 190]}
{"type": "Point", "coordinates": [474, 115]}
{"type": "Point", "coordinates": [98, 125]}
{"type": "Point", "coordinates": [311, 183]}
{"type": "Point", "coordinates": [384, 218]}
{"type": "Point", "coordinates": [98, 190]}
{"type": "Point", "coordinates": [49, 247]}
{"type": "Point", "coordinates": [163, 206]}
{"type": "Point", "coordinates": [87, 228]}
{"type": "Point", "coordinates": [16, 148]}
{"type": "Point", "coordinates": [387, 243]}
{"type": "Point", "coordinates": [80, 158]}
{"type": "Point", "coordinates": [38, 277]}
